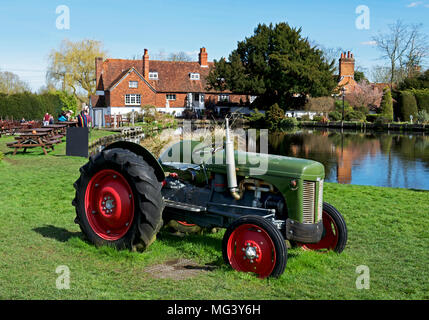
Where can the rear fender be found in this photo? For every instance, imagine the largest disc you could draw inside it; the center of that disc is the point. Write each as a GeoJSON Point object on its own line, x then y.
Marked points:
{"type": "Point", "coordinates": [141, 151]}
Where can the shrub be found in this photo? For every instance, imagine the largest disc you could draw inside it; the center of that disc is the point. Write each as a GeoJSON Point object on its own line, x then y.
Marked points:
{"type": "Point", "coordinates": [288, 123]}
{"type": "Point", "coordinates": [305, 117]}
{"type": "Point", "coordinates": [256, 119]}
{"type": "Point", "coordinates": [422, 97]}
{"type": "Point", "coordinates": [335, 116]}
{"type": "Point", "coordinates": [381, 120]}
{"type": "Point", "coordinates": [372, 117]}
{"type": "Point", "coordinates": [274, 115]}
{"type": "Point", "coordinates": [1, 156]}
{"type": "Point", "coordinates": [423, 116]}
{"type": "Point", "coordinates": [355, 116]}
{"type": "Point", "coordinates": [386, 105]}
{"type": "Point", "coordinates": [67, 101]}
{"type": "Point", "coordinates": [339, 106]}
{"type": "Point", "coordinates": [320, 119]}
{"type": "Point", "coordinates": [408, 105]}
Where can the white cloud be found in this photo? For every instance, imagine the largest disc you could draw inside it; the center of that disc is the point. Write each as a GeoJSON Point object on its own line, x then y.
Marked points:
{"type": "Point", "coordinates": [415, 4]}
{"type": "Point", "coordinates": [369, 43]}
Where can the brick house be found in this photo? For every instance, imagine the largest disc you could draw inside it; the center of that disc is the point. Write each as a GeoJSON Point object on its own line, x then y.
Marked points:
{"type": "Point", "coordinates": [346, 77]}
{"type": "Point", "coordinates": [123, 86]}
{"type": "Point", "coordinates": [347, 71]}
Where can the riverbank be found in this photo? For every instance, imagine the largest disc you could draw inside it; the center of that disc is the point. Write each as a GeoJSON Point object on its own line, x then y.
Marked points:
{"type": "Point", "coordinates": [413, 127]}
{"type": "Point", "coordinates": [387, 233]}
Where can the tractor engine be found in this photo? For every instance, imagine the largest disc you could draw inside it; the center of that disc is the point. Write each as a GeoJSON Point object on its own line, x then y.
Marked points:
{"type": "Point", "coordinates": [252, 193]}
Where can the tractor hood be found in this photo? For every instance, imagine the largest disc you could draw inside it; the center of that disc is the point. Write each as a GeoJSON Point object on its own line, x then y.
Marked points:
{"type": "Point", "coordinates": [257, 164]}
{"type": "Point", "coordinates": [247, 163]}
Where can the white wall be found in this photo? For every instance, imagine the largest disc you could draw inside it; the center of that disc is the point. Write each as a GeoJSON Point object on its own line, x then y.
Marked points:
{"type": "Point", "coordinates": [177, 111]}
{"type": "Point", "coordinates": [300, 113]}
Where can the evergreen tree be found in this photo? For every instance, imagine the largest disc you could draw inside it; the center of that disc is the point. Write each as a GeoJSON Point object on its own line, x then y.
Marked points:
{"type": "Point", "coordinates": [386, 105]}
{"type": "Point", "coordinates": [276, 64]}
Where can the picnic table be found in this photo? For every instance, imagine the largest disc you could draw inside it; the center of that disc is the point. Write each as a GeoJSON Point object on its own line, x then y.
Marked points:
{"type": "Point", "coordinates": [53, 134]}
{"type": "Point", "coordinates": [31, 140]}
{"type": "Point", "coordinates": [70, 123]}
{"type": "Point", "coordinates": [59, 129]}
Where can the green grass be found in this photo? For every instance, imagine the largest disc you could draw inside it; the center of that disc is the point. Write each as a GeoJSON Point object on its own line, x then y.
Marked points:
{"type": "Point", "coordinates": [387, 232]}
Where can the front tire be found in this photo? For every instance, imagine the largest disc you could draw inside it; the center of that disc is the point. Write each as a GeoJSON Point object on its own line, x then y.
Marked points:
{"type": "Point", "coordinates": [253, 244]}
{"type": "Point", "coordinates": [334, 234]}
{"type": "Point", "coordinates": [118, 200]}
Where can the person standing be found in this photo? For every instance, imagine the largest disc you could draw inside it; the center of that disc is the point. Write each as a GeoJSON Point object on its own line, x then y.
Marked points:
{"type": "Point", "coordinates": [46, 119]}
{"type": "Point", "coordinates": [82, 119]}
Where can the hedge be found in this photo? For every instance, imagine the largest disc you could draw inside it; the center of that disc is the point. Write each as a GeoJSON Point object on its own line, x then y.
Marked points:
{"type": "Point", "coordinates": [29, 105]}
{"type": "Point", "coordinates": [408, 105]}
{"type": "Point", "coordinates": [422, 98]}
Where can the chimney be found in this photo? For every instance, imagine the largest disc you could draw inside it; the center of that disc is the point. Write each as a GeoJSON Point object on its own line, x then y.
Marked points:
{"type": "Point", "coordinates": [98, 72]}
{"type": "Point", "coordinates": [347, 65]}
{"type": "Point", "coordinates": [202, 57]}
{"type": "Point", "coordinates": [146, 65]}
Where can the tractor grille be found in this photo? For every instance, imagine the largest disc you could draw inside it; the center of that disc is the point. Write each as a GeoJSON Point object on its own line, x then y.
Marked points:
{"type": "Point", "coordinates": [308, 201]}
{"type": "Point", "coordinates": [320, 204]}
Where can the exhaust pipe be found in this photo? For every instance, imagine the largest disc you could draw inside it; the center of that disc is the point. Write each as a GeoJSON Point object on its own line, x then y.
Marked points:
{"type": "Point", "coordinates": [230, 165]}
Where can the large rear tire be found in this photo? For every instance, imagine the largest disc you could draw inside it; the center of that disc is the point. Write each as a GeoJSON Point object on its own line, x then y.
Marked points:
{"type": "Point", "coordinates": [118, 200]}
{"type": "Point", "coordinates": [253, 244]}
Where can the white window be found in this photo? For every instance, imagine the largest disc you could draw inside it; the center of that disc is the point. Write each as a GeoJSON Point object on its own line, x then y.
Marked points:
{"type": "Point", "coordinates": [223, 98]}
{"type": "Point", "coordinates": [171, 97]}
{"type": "Point", "coordinates": [153, 75]}
{"type": "Point", "coordinates": [133, 99]}
{"type": "Point", "coordinates": [194, 76]}
{"type": "Point", "coordinates": [133, 84]}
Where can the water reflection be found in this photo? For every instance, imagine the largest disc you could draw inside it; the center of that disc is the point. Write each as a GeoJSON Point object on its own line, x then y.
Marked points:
{"type": "Point", "coordinates": [379, 159]}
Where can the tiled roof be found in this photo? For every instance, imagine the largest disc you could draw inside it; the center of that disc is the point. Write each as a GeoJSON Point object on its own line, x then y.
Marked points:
{"type": "Point", "coordinates": [173, 76]}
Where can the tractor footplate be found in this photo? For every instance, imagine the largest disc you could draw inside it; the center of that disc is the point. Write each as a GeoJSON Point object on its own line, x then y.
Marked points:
{"type": "Point", "coordinates": [184, 206]}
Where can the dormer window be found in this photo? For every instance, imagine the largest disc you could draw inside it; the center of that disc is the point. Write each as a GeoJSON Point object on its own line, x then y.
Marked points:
{"type": "Point", "coordinates": [133, 84]}
{"type": "Point", "coordinates": [194, 76]}
{"type": "Point", "coordinates": [223, 98]}
{"type": "Point", "coordinates": [153, 75]}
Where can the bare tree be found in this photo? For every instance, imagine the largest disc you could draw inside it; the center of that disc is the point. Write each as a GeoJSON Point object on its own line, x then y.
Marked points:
{"type": "Point", "coordinates": [179, 56]}
{"type": "Point", "coordinates": [417, 51]}
{"type": "Point", "coordinates": [403, 46]}
{"type": "Point", "coordinates": [11, 83]}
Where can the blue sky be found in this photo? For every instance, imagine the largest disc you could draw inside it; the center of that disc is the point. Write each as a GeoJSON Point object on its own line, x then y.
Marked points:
{"type": "Point", "coordinates": [28, 28]}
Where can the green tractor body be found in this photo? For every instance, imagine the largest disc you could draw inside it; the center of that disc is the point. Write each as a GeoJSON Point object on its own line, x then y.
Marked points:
{"type": "Point", "coordinates": [125, 195]}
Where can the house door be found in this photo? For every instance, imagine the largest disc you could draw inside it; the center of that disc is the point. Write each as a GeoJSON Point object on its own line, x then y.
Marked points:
{"type": "Point", "coordinates": [198, 100]}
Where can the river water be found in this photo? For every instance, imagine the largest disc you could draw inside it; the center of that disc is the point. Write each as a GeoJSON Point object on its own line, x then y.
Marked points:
{"type": "Point", "coordinates": [362, 158]}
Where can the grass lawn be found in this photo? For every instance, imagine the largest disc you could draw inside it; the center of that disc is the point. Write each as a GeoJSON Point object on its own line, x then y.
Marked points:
{"type": "Point", "coordinates": [388, 232]}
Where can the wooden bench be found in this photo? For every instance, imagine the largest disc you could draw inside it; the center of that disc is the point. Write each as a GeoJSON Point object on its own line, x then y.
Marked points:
{"type": "Point", "coordinates": [30, 140]}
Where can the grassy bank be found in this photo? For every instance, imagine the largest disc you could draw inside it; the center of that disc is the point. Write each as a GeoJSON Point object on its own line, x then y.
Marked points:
{"type": "Point", "coordinates": [387, 232]}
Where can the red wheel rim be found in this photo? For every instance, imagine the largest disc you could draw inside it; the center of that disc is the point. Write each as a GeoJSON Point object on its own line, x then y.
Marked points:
{"type": "Point", "coordinates": [330, 238]}
{"type": "Point", "coordinates": [109, 204]}
{"type": "Point", "coordinates": [249, 240]}
{"type": "Point", "coordinates": [185, 224]}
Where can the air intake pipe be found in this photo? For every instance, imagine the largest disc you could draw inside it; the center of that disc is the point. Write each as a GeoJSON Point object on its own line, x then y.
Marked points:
{"type": "Point", "coordinates": [230, 165]}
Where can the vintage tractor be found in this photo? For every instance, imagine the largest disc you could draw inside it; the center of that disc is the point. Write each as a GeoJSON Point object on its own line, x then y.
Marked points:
{"type": "Point", "coordinates": [124, 196]}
